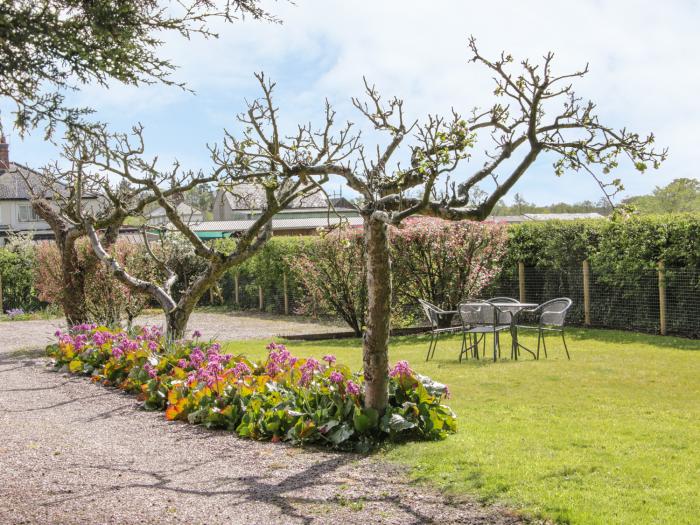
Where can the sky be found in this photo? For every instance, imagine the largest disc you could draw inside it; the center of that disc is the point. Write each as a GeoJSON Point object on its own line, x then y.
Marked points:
{"type": "Point", "coordinates": [643, 57]}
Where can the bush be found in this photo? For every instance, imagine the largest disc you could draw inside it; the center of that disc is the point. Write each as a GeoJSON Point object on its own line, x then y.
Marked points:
{"type": "Point", "coordinates": [268, 268]}
{"type": "Point", "coordinates": [623, 255]}
{"type": "Point", "coordinates": [444, 262]}
{"type": "Point", "coordinates": [332, 270]}
{"type": "Point", "coordinates": [281, 399]}
{"type": "Point", "coordinates": [107, 300]}
{"type": "Point", "coordinates": [17, 262]}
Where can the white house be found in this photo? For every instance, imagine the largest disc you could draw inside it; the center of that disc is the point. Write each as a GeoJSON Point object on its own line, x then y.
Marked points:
{"type": "Point", "coordinates": [16, 212]}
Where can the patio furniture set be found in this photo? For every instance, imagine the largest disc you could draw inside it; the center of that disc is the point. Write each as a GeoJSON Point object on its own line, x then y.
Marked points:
{"type": "Point", "coordinates": [478, 318]}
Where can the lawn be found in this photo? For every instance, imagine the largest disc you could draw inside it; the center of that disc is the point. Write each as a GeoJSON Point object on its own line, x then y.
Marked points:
{"type": "Point", "coordinates": [609, 437]}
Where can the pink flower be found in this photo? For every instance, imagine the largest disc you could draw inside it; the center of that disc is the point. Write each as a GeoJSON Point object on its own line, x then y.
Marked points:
{"type": "Point", "coordinates": [305, 378]}
{"type": "Point", "coordinates": [196, 357]}
{"type": "Point", "coordinates": [336, 377]}
{"type": "Point", "coordinates": [272, 368]}
{"type": "Point", "coordinates": [241, 368]}
{"type": "Point", "coordinates": [117, 352]}
{"type": "Point", "coordinates": [352, 388]}
{"type": "Point", "coordinates": [274, 346]}
{"type": "Point", "coordinates": [150, 370]}
{"type": "Point", "coordinates": [196, 334]}
{"type": "Point", "coordinates": [401, 369]}
{"type": "Point", "coordinates": [182, 363]}
{"type": "Point", "coordinates": [311, 364]}
{"type": "Point", "coordinates": [330, 359]}
{"type": "Point", "coordinates": [152, 346]}
{"type": "Point", "coordinates": [447, 393]}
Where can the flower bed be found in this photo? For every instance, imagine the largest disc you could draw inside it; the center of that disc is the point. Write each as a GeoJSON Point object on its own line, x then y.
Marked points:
{"type": "Point", "coordinates": [284, 398]}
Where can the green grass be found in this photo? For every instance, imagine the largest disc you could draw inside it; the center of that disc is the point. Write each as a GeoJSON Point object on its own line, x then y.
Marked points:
{"type": "Point", "coordinates": [612, 436]}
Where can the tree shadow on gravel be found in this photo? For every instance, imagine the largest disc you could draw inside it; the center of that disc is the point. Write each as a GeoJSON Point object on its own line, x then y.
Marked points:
{"type": "Point", "coordinates": [289, 495]}
{"type": "Point", "coordinates": [303, 496]}
{"type": "Point", "coordinates": [58, 404]}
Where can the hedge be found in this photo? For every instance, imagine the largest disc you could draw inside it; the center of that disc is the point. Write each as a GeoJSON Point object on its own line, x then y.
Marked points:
{"type": "Point", "coordinates": [623, 256]}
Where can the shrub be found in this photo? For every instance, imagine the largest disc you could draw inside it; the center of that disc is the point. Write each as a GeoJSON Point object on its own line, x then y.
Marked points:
{"type": "Point", "coordinates": [17, 263]}
{"type": "Point", "coordinates": [332, 270]}
{"type": "Point", "coordinates": [444, 262]}
{"type": "Point", "coordinates": [281, 399]}
{"type": "Point", "coordinates": [107, 300]}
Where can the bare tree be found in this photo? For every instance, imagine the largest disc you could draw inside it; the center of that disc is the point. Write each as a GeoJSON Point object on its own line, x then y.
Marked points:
{"type": "Point", "coordinates": [285, 167]}
{"type": "Point", "coordinates": [540, 114]}
{"type": "Point", "coordinates": [60, 198]}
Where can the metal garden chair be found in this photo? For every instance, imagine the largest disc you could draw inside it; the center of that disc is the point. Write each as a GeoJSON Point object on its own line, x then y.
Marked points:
{"type": "Point", "coordinates": [551, 318]}
{"type": "Point", "coordinates": [502, 300]}
{"type": "Point", "coordinates": [479, 319]}
{"type": "Point", "coordinates": [437, 317]}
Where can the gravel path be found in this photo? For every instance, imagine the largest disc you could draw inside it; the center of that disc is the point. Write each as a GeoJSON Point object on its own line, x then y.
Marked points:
{"type": "Point", "coordinates": [75, 452]}
{"type": "Point", "coordinates": [221, 326]}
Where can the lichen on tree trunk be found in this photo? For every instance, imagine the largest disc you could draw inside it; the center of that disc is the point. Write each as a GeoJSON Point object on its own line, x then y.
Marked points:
{"type": "Point", "coordinates": [176, 324]}
{"type": "Point", "coordinates": [375, 348]}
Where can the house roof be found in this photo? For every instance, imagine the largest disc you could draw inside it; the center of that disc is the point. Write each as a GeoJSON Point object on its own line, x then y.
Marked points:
{"type": "Point", "coordinates": [278, 224]}
{"type": "Point", "coordinates": [252, 197]}
{"type": "Point", "coordinates": [538, 217]}
{"type": "Point", "coordinates": [183, 210]}
{"type": "Point", "coordinates": [13, 186]}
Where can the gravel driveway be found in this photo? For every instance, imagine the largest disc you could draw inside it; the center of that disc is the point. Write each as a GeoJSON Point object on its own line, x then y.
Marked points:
{"type": "Point", "coordinates": [221, 326]}
{"type": "Point", "coordinates": [75, 452]}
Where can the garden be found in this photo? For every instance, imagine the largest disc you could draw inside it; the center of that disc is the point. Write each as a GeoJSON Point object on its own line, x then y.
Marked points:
{"type": "Point", "coordinates": [413, 359]}
{"type": "Point", "coordinates": [606, 437]}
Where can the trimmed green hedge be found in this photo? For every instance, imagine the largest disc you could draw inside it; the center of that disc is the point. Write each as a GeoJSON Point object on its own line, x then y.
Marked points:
{"type": "Point", "coordinates": [623, 255]}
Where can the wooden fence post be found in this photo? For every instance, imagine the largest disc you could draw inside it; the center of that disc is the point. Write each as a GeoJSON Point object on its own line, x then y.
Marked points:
{"type": "Point", "coordinates": [662, 298]}
{"type": "Point", "coordinates": [260, 297]}
{"type": "Point", "coordinates": [521, 281]}
{"type": "Point", "coordinates": [286, 297]}
{"type": "Point", "coordinates": [235, 282]}
{"type": "Point", "coordinates": [586, 293]}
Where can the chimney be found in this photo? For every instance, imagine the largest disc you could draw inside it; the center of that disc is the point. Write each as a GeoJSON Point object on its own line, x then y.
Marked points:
{"type": "Point", "coordinates": [4, 154]}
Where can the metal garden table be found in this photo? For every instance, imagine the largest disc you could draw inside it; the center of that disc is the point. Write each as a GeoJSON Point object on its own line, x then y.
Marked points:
{"type": "Point", "coordinates": [514, 309]}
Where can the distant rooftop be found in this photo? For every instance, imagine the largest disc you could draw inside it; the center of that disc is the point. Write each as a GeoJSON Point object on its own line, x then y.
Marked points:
{"type": "Point", "coordinates": [529, 217]}
{"type": "Point", "coordinates": [278, 224]}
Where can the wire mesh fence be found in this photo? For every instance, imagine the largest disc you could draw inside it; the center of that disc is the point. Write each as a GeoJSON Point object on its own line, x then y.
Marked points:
{"type": "Point", "coordinates": [653, 301]}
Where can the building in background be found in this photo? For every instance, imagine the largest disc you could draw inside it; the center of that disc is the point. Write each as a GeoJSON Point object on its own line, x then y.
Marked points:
{"type": "Point", "coordinates": [190, 215]}
{"type": "Point", "coordinates": [16, 212]}
{"type": "Point", "coordinates": [539, 217]}
{"type": "Point", "coordinates": [237, 209]}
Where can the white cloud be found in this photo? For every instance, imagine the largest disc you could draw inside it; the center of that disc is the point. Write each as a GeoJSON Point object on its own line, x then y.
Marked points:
{"type": "Point", "coordinates": [642, 54]}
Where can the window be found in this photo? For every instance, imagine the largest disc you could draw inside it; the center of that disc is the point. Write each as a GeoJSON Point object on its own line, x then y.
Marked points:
{"type": "Point", "coordinates": [26, 214]}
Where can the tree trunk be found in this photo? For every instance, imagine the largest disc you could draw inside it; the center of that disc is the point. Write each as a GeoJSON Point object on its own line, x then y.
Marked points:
{"type": "Point", "coordinates": [375, 349]}
{"type": "Point", "coordinates": [176, 324]}
{"type": "Point", "coordinates": [73, 296]}
{"type": "Point", "coordinates": [177, 318]}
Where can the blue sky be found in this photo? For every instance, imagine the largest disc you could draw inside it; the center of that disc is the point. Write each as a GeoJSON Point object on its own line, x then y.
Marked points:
{"type": "Point", "coordinates": [643, 59]}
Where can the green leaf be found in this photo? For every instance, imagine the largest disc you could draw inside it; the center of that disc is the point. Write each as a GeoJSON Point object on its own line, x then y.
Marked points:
{"type": "Point", "coordinates": [365, 419]}
{"type": "Point", "coordinates": [341, 434]}
{"type": "Point", "coordinates": [398, 423]}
